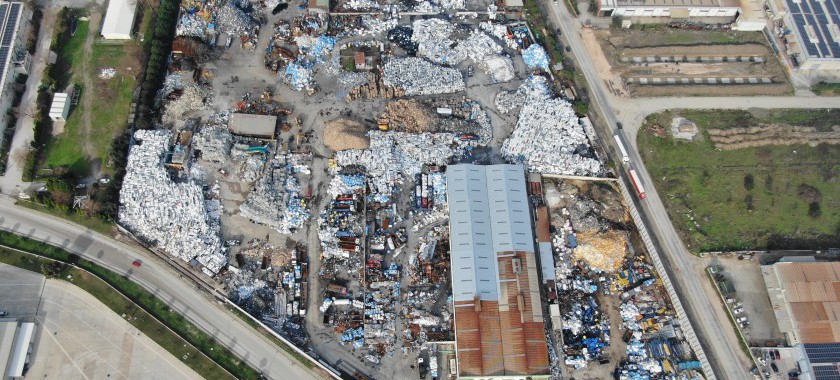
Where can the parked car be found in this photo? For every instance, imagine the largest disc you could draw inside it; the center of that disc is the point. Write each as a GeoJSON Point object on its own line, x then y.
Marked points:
{"type": "Point", "coordinates": [741, 319]}
{"type": "Point", "coordinates": [774, 367]}
{"type": "Point", "coordinates": [136, 263]}
{"type": "Point", "coordinates": [776, 354]}
{"type": "Point", "coordinates": [730, 300]}
{"type": "Point", "coordinates": [3, 313]}
{"type": "Point", "coordinates": [619, 125]}
{"type": "Point", "coordinates": [738, 310]}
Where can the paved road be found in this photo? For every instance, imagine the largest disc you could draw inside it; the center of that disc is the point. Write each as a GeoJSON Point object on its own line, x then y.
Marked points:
{"type": "Point", "coordinates": [676, 258]}
{"type": "Point", "coordinates": [163, 281]}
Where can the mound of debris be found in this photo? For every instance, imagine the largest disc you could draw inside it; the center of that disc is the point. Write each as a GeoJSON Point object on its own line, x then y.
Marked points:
{"type": "Point", "coordinates": [418, 76]}
{"type": "Point", "coordinates": [601, 251]}
{"type": "Point", "coordinates": [274, 201]}
{"type": "Point", "coordinates": [409, 116]}
{"type": "Point", "coordinates": [173, 216]}
{"type": "Point", "coordinates": [344, 133]}
{"type": "Point", "coordinates": [548, 136]}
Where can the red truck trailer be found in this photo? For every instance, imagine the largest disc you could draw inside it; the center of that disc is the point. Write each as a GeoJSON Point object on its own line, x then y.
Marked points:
{"type": "Point", "coordinates": [637, 183]}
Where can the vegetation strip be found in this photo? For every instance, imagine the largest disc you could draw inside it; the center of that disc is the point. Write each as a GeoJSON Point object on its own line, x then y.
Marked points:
{"type": "Point", "coordinates": [170, 319]}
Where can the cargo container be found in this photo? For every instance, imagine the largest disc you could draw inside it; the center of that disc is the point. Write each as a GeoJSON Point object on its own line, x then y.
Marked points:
{"type": "Point", "coordinates": [637, 183]}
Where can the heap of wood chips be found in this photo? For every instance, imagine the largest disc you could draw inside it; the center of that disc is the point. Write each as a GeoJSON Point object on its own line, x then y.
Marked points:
{"type": "Point", "coordinates": [601, 251]}
{"type": "Point", "coordinates": [343, 134]}
{"type": "Point", "coordinates": [278, 256]}
{"type": "Point", "coordinates": [410, 116]}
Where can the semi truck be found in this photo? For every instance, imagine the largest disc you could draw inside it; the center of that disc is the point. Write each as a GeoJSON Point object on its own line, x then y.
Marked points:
{"type": "Point", "coordinates": [625, 159]}
{"type": "Point", "coordinates": [637, 183]}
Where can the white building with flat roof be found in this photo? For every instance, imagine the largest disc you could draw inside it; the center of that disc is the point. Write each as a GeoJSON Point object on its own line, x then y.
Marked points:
{"type": "Point", "coordinates": [14, 57]}
{"type": "Point", "coordinates": [119, 19]}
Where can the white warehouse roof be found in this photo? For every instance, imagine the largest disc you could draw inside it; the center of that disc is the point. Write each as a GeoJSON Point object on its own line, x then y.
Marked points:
{"type": "Point", "coordinates": [488, 213]}
{"type": "Point", "coordinates": [60, 106]}
{"type": "Point", "coordinates": [119, 19]}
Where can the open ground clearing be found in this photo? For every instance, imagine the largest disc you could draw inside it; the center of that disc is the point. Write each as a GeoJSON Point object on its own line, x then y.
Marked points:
{"type": "Point", "coordinates": [82, 143]}
{"type": "Point", "coordinates": [661, 53]}
{"type": "Point", "coordinates": [763, 197]}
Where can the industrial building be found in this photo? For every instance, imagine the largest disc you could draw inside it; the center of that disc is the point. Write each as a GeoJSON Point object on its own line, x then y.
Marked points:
{"type": "Point", "coordinates": [260, 126]}
{"type": "Point", "coordinates": [15, 346]}
{"type": "Point", "coordinates": [653, 11]}
{"type": "Point", "coordinates": [806, 302]}
{"type": "Point", "coordinates": [14, 57]}
{"type": "Point", "coordinates": [810, 30]}
{"type": "Point", "coordinates": [499, 327]}
{"type": "Point", "coordinates": [119, 19]}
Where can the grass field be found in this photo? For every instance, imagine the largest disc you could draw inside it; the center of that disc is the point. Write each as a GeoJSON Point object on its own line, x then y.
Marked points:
{"type": "Point", "coordinates": [826, 89]}
{"type": "Point", "coordinates": [132, 313]}
{"type": "Point", "coordinates": [183, 333]}
{"type": "Point", "coordinates": [72, 215]}
{"type": "Point", "coordinates": [82, 148]}
{"type": "Point", "coordinates": [777, 197]}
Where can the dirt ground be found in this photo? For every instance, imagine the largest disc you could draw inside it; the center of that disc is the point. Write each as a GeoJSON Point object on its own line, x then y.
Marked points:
{"type": "Point", "coordinates": [706, 54]}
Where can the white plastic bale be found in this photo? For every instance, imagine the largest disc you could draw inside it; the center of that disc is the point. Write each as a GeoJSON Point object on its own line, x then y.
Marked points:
{"type": "Point", "coordinates": [417, 76]}
{"type": "Point", "coordinates": [174, 216]}
{"type": "Point", "coordinates": [548, 135]}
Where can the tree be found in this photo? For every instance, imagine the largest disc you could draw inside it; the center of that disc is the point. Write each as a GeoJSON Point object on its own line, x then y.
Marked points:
{"type": "Point", "coordinates": [52, 268]}
{"type": "Point", "coordinates": [749, 182]}
{"type": "Point", "coordinates": [814, 210]}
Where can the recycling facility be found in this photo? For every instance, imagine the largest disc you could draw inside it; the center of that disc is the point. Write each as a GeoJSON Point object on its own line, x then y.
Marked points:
{"type": "Point", "coordinates": [300, 160]}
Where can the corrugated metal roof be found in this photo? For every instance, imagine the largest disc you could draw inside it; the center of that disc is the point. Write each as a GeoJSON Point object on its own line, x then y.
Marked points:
{"type": "Point", "coordinates": [119, 19]}
{"type": "Point", "coordinates": [499, 327]}
{"type": "Point", "coordinates": [811, 292]}
{"type": "Point", "coordinates": [253, 125]}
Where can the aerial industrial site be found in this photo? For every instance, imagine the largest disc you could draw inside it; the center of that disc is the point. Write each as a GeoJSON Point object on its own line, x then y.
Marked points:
{"type": "Point", "coordinates": [443, 189]}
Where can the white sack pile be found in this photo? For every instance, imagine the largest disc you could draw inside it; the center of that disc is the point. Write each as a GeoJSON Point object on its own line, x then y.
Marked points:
{"type": "Point", "coordinates": [214, 143]}
{"type": "Point", "coordinates": [433, 42]}
{"type": "Point", "coordinates": [418, 76]}
{"type": "Point", "coordinates": [392, 156]}
{"type": "Point", "coordinates": [548, 135]}
{"type": "Point", "coordinates": [173, 216]}
{"type": "Point", "coordinates": [478, 46]}
{"type": "Point", "coordinates": [507, 101]}
{"type": "Point", "coordinates": [274, 201]}
{"type": "Point", "coordinates": [498, 67]}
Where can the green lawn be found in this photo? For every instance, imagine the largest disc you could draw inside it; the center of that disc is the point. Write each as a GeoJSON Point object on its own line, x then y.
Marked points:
{"type": "Point", "coordinates": [111, 102]}
{"type": "Point", "coordinates": [75, 216]}
{"type": "Point", "coordinates": [826, 89]}
{"type": "Point", "coordinates": [712, 202]}
{"type": "Point", "coordinates": [153, 315]}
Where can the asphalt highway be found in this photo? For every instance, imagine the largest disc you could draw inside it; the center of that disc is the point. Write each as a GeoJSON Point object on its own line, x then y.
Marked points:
{"type": "Point", "coordinates": [710, 330]}
{"type": "Point", "coordinates": [162, 280]}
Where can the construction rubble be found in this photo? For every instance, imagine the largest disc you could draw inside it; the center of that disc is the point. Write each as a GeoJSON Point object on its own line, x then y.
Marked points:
{"type": "Point", "coordinates": [174, 216]}
{"type": "Point", "coordinates": [275, 201]}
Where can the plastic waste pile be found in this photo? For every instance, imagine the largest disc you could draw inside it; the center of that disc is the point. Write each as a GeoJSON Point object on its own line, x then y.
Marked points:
{"type": "Point", "coordinates": [535, 57]}
{"type": "Point", "coordinates": [274, 201]}
{"type": "Point", "coordinates": [507, 101]}
{"type": "Point", "coordinates": [373, 25]}
{"type": "Point", "coordinates": [299, 76]}
{"type": "Point", "coordinates": [480, 117]}
{"type": "Point", "coordinates": [214, 142]}
{"type": "Point", "coordinates": [174, 216]}
{"type": "Point", "coordinates": [393, 156]}
{"type": "Point", "coordinates": [107, 73]}
{"type": "Point", "coordinates": [417, 76]}
{"type": "Point", "coordinates": [234, 21]}
{"type": "Point", "coordinates": [498, 67]}
{"type": "Point", "coordinates": [548, 136]}
{"type": "Point", "coordinates": [346, 184]}
{"type": "Point", "coordinates": [361, 4]}
{"type": "Point", "coordinates": [433, 42]}
{"type": "Point", "coordinates": [478, 46]}
{"type": "Point", "coordinates": [499, 31]}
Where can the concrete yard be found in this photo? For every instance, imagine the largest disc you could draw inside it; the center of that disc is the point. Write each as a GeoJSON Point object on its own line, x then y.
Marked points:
{"type": "Point", "coordinates": [20, 291]}
{"type": "Point", "coordinates": [78, 337]}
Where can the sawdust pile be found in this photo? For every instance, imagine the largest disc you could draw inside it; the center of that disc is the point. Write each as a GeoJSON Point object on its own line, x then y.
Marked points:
{"type": "Point", "coordinates": [409, 116]}
{"type": "Point", "coordinates": [601, 251]}
{"type": "Point", "coordinates": [343, 134]}
{"type": "Point", "coordinates": [278, 256]}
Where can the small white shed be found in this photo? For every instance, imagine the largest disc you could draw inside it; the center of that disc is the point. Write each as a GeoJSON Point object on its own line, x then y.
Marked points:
{"type": "Point", "coordinates": [60, 107]}
{"type": "Point", "coordinates": [119, 19]}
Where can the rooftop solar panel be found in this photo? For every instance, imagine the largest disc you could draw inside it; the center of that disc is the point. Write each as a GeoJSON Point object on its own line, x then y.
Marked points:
{"type": "Point", "coordinates": [823, 353]}
{"type": "Point", "coordinates": [826, 373]}
{"type": "Point", "coordinates": [11, 22]}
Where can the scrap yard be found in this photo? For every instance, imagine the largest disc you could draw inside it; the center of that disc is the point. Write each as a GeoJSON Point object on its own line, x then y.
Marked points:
{"type": "Point", "coordinates": [304, 160]}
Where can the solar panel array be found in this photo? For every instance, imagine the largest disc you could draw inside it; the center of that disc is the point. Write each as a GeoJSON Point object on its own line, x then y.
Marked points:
{"type": "Point", "coordinates": [9, 14]}
{"type": "Point", "coordinates": [819, 16]}
{"type": "Point", "coordinates": [826, 373]}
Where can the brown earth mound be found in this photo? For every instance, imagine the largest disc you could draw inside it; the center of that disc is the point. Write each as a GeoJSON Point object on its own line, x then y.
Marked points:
{"type": "Point", "coordinates": [343, 134]}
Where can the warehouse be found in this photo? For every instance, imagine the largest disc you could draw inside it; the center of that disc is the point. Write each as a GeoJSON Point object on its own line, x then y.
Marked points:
{"type": "Point", "coordinates": [811, 30]}
{"type": "Point", "coordinates": [653, 11]}
{"type": "Point", "coordinates": [499, 328]}
{"type": "Point", "coordinates": [260, 126]}
{"type": "Point", "coordinates": [806, 302]}
{"type": "Point", "coordinates": [15, 344]}
{"type": "Point", "coordinates": [14, 58]}
{"type": "Point", "coordinates": [119, 19]}
{"type": "Point", "coordinates": [60, 107]}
